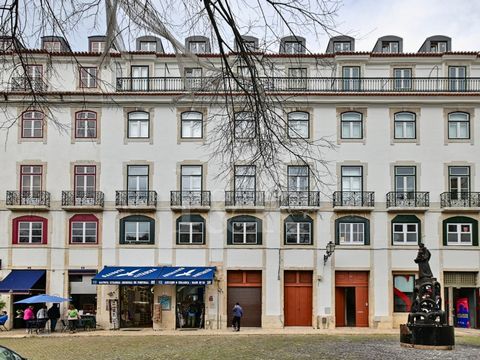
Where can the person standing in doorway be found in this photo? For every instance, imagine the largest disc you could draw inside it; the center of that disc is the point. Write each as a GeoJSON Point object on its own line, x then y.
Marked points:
{"type": "Point", "coordinates": [53, 314]}
{"type": "Point", "coordinates": [72, 317]}
{"type": "Point", "coordinates": [237, 315]}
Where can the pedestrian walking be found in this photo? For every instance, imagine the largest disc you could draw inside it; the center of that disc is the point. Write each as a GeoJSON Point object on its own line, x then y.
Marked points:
{"type": "Point", "coordinates": [28, 317]}
{"type": "Point", "coordinates": [72, 317]}
{"type": "Point", "coordinates": [237, 315]}
{"type": "Point", "coordinates": [53, 314]}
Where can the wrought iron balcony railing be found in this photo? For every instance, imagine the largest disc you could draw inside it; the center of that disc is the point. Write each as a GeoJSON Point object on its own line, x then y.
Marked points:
{"type": "Point", "coordinates": [83, 198]}
{"type": "Point", "coordinates": [190, 198]}
{"type": "Point", "coordinates": [28, 198]}
{"type": "Point", "coordinates": [25, 83]}
{"type": "Point", "coordinates": [354, 198]}
{"type": "Point", "coordinates": [460, 199]}
{"type": "Point", "coordinates": [137, 198]}
{"type": "Point", "coordinates": [408, 199]}
{"type": "Point", "coordinates": [244, 198]}
{"type": "Point", "coordinates": [300, 199]}
{"type": "Point", "coordinates": [301, 84]}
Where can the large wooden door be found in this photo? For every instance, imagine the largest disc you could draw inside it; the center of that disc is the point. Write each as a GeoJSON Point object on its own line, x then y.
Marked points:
{"type": "Point", "coordinates": [359, 281]}
{"type": "Point", "coordinates": [298, 298]}
{"type": "Point", "coordinates": [245, 287]}
{"type": "Point", "coordinates": [340, 306]}
{"type": "Point", "coordinates": [361, 306]}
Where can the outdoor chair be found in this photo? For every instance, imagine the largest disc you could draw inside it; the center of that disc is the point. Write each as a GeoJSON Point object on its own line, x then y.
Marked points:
{"type": "Point", "coordinates": [64, 325]}
{"type": "Point", "coordinates": [3, 321]}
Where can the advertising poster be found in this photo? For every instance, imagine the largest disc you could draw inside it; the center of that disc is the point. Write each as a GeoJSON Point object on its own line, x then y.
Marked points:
{"type": "Point", "coordinates": [463, 313]}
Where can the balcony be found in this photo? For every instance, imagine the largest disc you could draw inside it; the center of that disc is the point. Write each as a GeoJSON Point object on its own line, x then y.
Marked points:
{"type": "Point", "coordinates": [190, 200]}
{"type": "Point", "coordinates": [28, 200]}
{"type": "Point", "coordinates": [408, 201]}
{"type": "Point", "coordinates": [140, 200]}
{"type": "Point", "coordinates": [244, 200]}
{"type": "Point", "coordinates": [303, 84]}
{"type": "Point", "coordinates": [353, 200]}
{"type": "Point", "coordinates": [82, 200]}
{"type": "Point", "coordinates": [25, 83]}
{"type": "Point", "coordinates": [300, 200]}
{"type": "Point", "coordinates": [460, 201]}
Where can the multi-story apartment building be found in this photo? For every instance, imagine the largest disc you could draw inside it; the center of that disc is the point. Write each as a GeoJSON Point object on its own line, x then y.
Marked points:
{"type": "Point", "coordinates": [119, 207]}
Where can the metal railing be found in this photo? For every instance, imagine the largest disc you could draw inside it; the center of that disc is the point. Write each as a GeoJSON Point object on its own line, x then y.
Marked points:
{"type": "Point", "coordinates": [83, 198]}
{"type": "Point", "coordinates": [190, 198]}
{"type": "Point", "coordinates": [460, 199]}
{"type": "Point", "coordinates": [135, 198]}
{"type": "Point", "coordinates": [28, 198]}
{"type": "Point", "coordinates": [354, 198]}
{"type": "Point", "coordinates": [408, 199]}
{"type": "Point", "coordinates": [300, 198]}
{"type": "Point", "coordinates": [306, 84]}
{"type": "Point", "coordinates": [244, 198]}
{"type": "Point", "coordinates": [25, 83]}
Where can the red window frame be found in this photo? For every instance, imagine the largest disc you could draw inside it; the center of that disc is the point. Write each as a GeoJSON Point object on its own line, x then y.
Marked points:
{"type": "Point", "coordinates": [85, 85]}
{"type": "Point", "coordinates": [23, 172]}
{"type": "Point", "coordinates": [32, 119]}
{"type": "Point", "coordinates": [77, 119]}
{"type": "Point", "coordinates": [75, 173]}
{"type": "Point", "coordinates": [81, 218]}
{"type": "Point", "coordinates": [29, 218]}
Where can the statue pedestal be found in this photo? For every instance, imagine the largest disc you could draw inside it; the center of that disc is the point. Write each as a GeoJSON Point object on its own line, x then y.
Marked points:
{"type": "Point", "coordinates": [427, 336]}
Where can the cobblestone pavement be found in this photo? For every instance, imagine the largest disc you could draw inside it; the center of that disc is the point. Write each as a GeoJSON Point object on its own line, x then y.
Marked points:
{"type": "Point", "coordinates": [261, 347]}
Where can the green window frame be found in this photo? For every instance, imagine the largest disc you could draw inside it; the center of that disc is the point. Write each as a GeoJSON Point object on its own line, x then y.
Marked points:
{"type": "Point", "coordinates": [137, 219]}
{"type": "Point", "coordinates": [298, 219]}
{"type": "Point", "coordinates": [406, 220]}
{"type": "Point", "coordinates": [459, 220]}
{"type": "Point", "coordinates": [244, 219]}
{"type": "Point", "coordinates": [190, 219]}
{"type": "Point", "coordinates": [353, 220]}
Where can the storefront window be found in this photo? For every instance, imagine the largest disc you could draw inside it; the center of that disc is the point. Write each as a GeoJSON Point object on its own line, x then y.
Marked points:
{"type": "Point", "coordinates": [136, 304]}
{"type": "Point", "coordinates": [190, 306]}
{"type": "Point", "coordinates": [403, 286]}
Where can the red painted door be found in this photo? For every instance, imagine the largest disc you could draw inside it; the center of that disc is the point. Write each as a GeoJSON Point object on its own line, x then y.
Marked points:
{"type": "Point", "coordinates": [340, 306]}
{"type": "Point", "coordinates": [298, 298]}
{"type": "Point", "coordinates": [361, 306]}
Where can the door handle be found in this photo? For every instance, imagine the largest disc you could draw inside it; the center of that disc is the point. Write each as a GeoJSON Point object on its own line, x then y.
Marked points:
{"type": "Point", "coordinates": [366, 304]}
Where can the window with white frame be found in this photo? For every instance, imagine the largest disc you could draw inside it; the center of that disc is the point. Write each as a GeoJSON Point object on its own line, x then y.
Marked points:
{"type": "Point", "coordinates": [351, 78]}
{"type": "Point", "coordinates": [137, 232]}
{"type": "Point", "coordinates": [293, 47]}
{"type": "Point", "coordinates": [457, 78]}
{"type": "Point", "coordinates": [190, 233]}
{"type": "Point", "coordinates": [244, 125]}
{"type": "Point", "coordinates": [351, 125]}
{"type": "Point", "coordinates": [438, 46]}
{"type": "Point", "coordinates": [297, 78]}
{"type": "Point", "coordinates": [88, 77]}
{"type": "Point", "coordinates": [86, 125]}
{"type": "Point", "coordinates": [244, 232]}
{"type": "Point", "coordinates": [390, 47]}
{"type": "Point", "coordinates": [458, 125]}
{"type": "Point", "coordinates": [84, 232]}
{"type": "Point", "coordinates": [342, 46]}
{"type": "Point", "coordinates": [351, 233]}
{"type": "Point", "coordinates": [298, 125]}
{"type": "Point", "coordinates": [459, 234]}
{"type": "Point", "coordinates": [52, 46]}
{"type": "Point", "coordinates": [148, 46]}
{"type": "Point", "coordinates": [30, 232]}
{"type": "Point", "coordinates": [192, 125]}
{"type": "Point", "coordinates": [404, 125]}
{"type": "Point", "coordinates": [402, 78]}
{"type": "Point", "coordinates": [197, 47]}
{"type": "Point", "coordinates": [138, 125]}
{"type": "Point", "coordinates": [405, 233]}
{"type": "Point", "coordinates": [32, 124]}
{"type": "Point", "coordinates": [97, 46]}
{"type": "Point", "coordinates": [298, 233]}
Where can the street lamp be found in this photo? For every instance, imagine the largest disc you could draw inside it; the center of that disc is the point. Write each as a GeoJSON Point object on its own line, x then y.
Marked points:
{"type": "Point", "coordinates": [330, 250]}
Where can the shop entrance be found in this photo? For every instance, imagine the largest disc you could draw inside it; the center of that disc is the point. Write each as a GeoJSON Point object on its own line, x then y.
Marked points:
{"type": "Point", "coordinates": [462, 298]}
{"type": "Point", "coordinates": [298, 298]}
{"type": "Point", "coordinates": [190, 307]}
{"type": "Point", "coordinates": [245, 287]}
{"type": "Point", "coordinates": [136, 304]}
{"type": "Point", "coordinates": [351, 298]}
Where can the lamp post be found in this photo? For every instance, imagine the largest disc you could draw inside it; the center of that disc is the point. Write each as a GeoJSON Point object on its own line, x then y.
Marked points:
{"type": "Point", "coordinates": [330, 250]}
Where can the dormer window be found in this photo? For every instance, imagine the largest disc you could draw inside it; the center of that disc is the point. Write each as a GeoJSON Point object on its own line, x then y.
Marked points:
{"type": "Point", "coordinates": [438, 46]}
{"type": "Point", "coordinates": [342, 46]}
{"type": "Point", "coordinates": [250, 45]}
{"type": "Point", "coordinates": [52, 46]}
{"type": "Point", "coordinates": [390, 47]}
{"type": "Point", "coordinates": [148, 46]}
{"type": "Point", "coordinates": [293, 47]}
{"type": "Point", "coordinates": [97, 46]}
{"type": "Point", "coordinates": [197, 47]}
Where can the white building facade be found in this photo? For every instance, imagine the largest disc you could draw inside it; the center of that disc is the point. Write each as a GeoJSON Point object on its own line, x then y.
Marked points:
{"type": "Point", "coordinates": [125, 182]}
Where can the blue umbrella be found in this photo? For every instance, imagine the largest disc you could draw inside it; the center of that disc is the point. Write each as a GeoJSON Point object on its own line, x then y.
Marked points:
{"type": "Point", "coordinates": [43, 298]}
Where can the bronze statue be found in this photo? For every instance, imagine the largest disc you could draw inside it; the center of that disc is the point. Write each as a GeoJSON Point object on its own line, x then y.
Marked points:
{"type": "Point", "coordinates": [423, 257]}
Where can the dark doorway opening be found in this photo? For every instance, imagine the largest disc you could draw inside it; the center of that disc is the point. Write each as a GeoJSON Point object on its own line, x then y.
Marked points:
{"type": "Point", "coordinates": [190, 307]}
{"type": "Point", "coordinates": [350, 306]}
{"type": "Point", "coordinates": [136, 304]}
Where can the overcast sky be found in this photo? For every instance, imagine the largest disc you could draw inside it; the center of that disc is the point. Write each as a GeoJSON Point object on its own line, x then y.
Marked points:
{"type": "Point", "coordinates": [367, 20]}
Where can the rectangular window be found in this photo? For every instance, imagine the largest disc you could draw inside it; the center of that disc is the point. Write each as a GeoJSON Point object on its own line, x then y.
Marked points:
{"type": "Point", "coordinates": [459, 125]}
{"type": "Point", "coordinates": [459, 234]}
{"type": "Point", "coordinates": [459, 182]}
{"type": "Point", "coordinates": [351, 125]}
{"type": "Point", "coordinates": [244, 125]}
{"type": "Point", "coordinates": [298, 178]}
{"type": "Point", "coordinates": [352, 233]}
{"type": "Point", "coordinates": [351, 78]}
{"type": "Point", "coordinates": [30, 232]}
{"type": "Point", "coordinates": [390, 47]}
{"type": "Point", "coordinates": [32, 124]}
{"type": "Point", "coordinates": [140, 77]}
{"type": "Point", "coordinates": [34, 71]}
{"type": "Point", "coordinates": [192, 125]}
{"type": "Point", "coordinates": [84, 232]}
{"type": "Point", "coordinates": [404, 125]}
{"type": "Point", "coordinates": [298, 233]}
{"type": "Point", "coordinates": [197, 47]}
{"type": "Point", "coordinates": [30, 180]}
{"type": "Point", "coordinates": [137, 178]}
{"type": "Point", "coordinates": [137, 232]}
{"type": "Point", "coordinates": [457, 78]}
{"type": "Point", "coordinates": [438, 46]}
{"type": "Point", "coordinates": [402, 79]}
{"type": "Point", "coordinates": [138, 125]}
{"type": "Point", "coordinates": [298, 125]}
{"type": "Point", "coordinates": [245, 178]}
{"type": "Point", "coordinates": [403, 292]}
{"type": "Point", "coordinates": [52, 46]}
{"type": "Point", "coordinates": [405, 233]}
{"type": "Point", "coordinates": [342, 46]}
{"type": "Point", "coordinates": [193, 78]}
{"type": "Point", "coordinates": [297, 78]}
{"type": "Point", "coordinates": [244, 233]}
{"type": "Point", "coordinates": [190, 233]}
{"type": "Point", "coordinates": [85, 125]}
{"type": "Point", "coordinates": [293, 47]}
{"type": "Point", "coordinates": [148, 46]}
{"type": "Point", "coordinates": [405, 179]}
{"type": "Point", "coordinates": [88, 77]}
{"type": "Point", "coordinates": [191, 178]}
{"type": "Point", "coordinates": [352, 178]}
{"type": "Point", "coordinates": [85, 179]}
{"type": "Point", "coordinates": [97, 46]}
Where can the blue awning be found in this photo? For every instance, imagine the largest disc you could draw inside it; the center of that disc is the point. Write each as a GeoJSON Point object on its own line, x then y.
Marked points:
{"type": "Point", "coordinates": [151, 275]}
{"type": "Point", "coordinates": [127, 275]}
{"type": "Point", "coordinates": [199, 275]}
{"type": "Point", "coordinates": [20, 281]}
